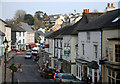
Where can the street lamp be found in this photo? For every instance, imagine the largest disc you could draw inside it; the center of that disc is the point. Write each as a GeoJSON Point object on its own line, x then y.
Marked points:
{"type": "Point", "coordinates": [5, 42]}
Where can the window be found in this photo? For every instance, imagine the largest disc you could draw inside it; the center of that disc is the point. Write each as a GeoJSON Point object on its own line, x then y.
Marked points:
{"type": "Point", "coordinates": [117, 52]}
{"type": "Point", "coordinates": [111, 76]}
{"type": "Point", "coordinates": [19, 33]}
{"type": "Point", "coordinates": [77, 70]}
{"type": "Point", "coordinates": [95, 51]}
{"type": "Point", "coordinates": [88, 35]}
{"type": "Point", "coordinates": [23, 33]}
{"type": "Point", "coordinates": [83, 48]}
{"type": "Point", "coordinates": [64, 44]}
{"type": "Point", "coordinates": [110, 54]}
{"type": "Point", "coordinates": [19, 41]}
{"type": "Point", "coordinates": [23, 40]}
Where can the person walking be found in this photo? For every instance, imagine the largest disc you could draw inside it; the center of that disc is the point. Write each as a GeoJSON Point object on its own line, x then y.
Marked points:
{"type": "Point", "coordinates": [19, 68]}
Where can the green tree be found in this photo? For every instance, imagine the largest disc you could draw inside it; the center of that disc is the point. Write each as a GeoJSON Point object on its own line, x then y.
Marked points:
{"type": "Point", "coordinates": [28, 18]}
{"type": "Point", "coordinates": [39, 15]}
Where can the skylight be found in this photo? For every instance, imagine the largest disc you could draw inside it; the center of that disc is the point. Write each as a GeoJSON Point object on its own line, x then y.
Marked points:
{"type": "Point", "coordinates": [116, 19]}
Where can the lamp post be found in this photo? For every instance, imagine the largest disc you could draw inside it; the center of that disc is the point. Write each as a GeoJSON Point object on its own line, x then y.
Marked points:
{"type": "Point", "coordinates": [5, 42]}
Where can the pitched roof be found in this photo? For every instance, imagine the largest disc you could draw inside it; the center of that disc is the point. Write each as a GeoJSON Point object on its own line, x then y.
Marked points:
{"type": "Point", "coordinates": [58, 33]}
{"type": "Point", "coordinates": [1, 33]}
{"type": "Point", "coordinates": [113, 25]}
{"type": "Point", "coordinates": [16, 28]}
{"type": "Point", "coordinates": [7, 25]}
{"type": "Point", "coordinates": [3, 21]}
{"type": "Point", "coordinates": [86, 18]}
{"type": "Point", "coordinates": [40, 33]}
{"type": "Point", "coordinates": [26, 27]}
{"type": "Point", "coordinates": [103, 20]}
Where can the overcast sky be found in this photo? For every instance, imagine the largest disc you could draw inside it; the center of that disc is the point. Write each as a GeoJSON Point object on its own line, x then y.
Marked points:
{"type": "Point", "coordinates": [9, 7]}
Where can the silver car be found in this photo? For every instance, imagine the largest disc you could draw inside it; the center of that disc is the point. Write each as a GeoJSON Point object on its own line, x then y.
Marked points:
{"type": "Point", "coordinates": [28, 55]}
{"type": "Point", "coordinates": [63, 77]}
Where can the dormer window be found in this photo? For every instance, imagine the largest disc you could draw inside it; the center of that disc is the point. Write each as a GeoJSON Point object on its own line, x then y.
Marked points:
{"type": "Point", "coordinates": [116, 19]}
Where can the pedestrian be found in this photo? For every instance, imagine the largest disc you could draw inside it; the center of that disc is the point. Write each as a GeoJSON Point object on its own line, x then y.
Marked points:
{"type": "Point", "coordinates": [19, 68]}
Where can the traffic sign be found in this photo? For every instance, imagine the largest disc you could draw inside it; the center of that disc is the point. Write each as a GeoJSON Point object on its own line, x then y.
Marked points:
{"type": "Point", "coordinates": [41, 45]}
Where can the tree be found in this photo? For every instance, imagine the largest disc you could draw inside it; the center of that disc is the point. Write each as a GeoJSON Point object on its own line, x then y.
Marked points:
{"type": "Point", "coordinates": [19, 14]}
{"type": "Point", "coordinates": [38, 23]}
{"type": "Point", "coordinates": [39, 15]}
{"type": "Point", "coordinates": [28, 18]}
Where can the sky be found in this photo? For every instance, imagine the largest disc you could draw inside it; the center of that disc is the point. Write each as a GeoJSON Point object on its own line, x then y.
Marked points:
{"type": "Point", "coordinates": [9, 7]}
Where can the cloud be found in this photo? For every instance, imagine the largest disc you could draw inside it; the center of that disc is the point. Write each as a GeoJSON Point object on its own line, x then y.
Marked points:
{"type": "Point", "coordinates": [59, 0]}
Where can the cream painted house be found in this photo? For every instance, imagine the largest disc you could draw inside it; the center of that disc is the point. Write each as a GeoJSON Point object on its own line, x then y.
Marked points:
{"type": "Point", "coordinates": [29, 34]}
{"type": "Point", "coordinates": [5, 31]}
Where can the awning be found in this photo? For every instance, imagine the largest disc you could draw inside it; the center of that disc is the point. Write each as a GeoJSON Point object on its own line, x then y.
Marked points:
{"type": "Point", "coordinates": [93, 65]}
{"type": "Point", "coordinates": [46, 45]}
{"type": "Point", "coordinates": [81, 61]}
{"type": "Point", "coordinates": [13, 45]}
{"type": "Point", "coordinates": [32, 45]}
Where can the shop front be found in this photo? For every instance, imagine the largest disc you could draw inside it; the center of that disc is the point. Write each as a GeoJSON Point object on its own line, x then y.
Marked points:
{"type": "Point", "coordinates": [81, 69]}
{"type": "Point", "coordinates": [93, 71]}
{"type": "Point", "coordinates": [66, 66]}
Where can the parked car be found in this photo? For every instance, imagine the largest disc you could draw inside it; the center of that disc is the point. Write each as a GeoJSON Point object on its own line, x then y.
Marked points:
{"type": "Point", "coordinates": [63, 77]}
{"type": "Point", "coordinates": [28, 55]}
{"type": "Point", "coordinates": [48, 73]}
{"type": "Point", "coordinates": [35, 50]}
{"type": "Point", "coordinates": [19, 53]}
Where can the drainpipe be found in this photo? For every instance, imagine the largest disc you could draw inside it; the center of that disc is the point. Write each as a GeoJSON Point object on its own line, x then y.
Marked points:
{"type": "Point", "coordinates": [101, 53]}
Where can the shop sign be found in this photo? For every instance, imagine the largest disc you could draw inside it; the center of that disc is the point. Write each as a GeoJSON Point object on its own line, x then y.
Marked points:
{"type": "Point", "coordinates": [66, 51]}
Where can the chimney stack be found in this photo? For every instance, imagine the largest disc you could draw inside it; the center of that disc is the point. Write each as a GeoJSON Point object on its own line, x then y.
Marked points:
{"type": "Point", "coordinates": [108, 4]}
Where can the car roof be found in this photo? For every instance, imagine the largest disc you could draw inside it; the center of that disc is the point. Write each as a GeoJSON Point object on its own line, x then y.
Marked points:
{"type": "Point", "coordinates": [28, 52]}
{"type": "Point", "coordinates": [65, 73]}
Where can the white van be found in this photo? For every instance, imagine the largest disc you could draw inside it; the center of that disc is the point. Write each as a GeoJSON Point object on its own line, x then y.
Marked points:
{"type": "Point", "coordinates": [35, 50]}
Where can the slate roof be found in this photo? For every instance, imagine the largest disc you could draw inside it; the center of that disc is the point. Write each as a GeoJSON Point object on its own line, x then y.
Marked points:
{"type": "Point", "coordinates": [112, 25]}
{"type": "Point", "coordinates": [3, 21]}
{"type": "Point", "coordinates": [58, 33]}
{"type": "Point", "coordinates": [86, 18]}
{"type": "Point", "coordinates": [1, 33]}
{"type": "Point", "coordinates": [16, 28]}
{"type": "Point", "coordinates": [40, 33]}
{"type": "Point", "coordinates": [103, 20]}
{"type": "Point", "coordinates": [26, 27]}
{"type": "Point", "coordinates": [7, 25]}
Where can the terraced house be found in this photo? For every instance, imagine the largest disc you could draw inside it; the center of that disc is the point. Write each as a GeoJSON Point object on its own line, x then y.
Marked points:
{"type": "Point", "coordinates": [89, 48]}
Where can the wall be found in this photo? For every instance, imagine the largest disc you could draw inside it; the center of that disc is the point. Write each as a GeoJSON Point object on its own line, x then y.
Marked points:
{"type": "Point", "coordinates": [8, 36]}
{"type": "Point", "coordinates": [29, 37]}
{"type": "Point", "coordinates": [89, 45]}
{"type": "Point", "coordinates": [108, 34]}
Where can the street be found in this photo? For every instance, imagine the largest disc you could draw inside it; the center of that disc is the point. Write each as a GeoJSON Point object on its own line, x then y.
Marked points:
{"type": "Point", "coordinates": [29, 71]}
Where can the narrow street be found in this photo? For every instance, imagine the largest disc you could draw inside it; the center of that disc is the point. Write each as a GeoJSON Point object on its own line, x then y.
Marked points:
{"type": "Point", "coordinates": [30, 71]}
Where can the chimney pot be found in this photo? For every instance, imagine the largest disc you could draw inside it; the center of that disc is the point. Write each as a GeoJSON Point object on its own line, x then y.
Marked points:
{"type": "Point", "coordinates": [108, 4]}
{"type": "Point", "coordinates": [85, 10]}
{"type": "Point", "coordinates": [111, 4]}
{"type": "Point", "coordinates": [88, 11]}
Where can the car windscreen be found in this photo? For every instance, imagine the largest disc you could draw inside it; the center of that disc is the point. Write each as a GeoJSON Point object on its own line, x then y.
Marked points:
{"type": "Point", "coordinates": [67, 77]}
{"type": "Point", "coordinates": [28, 53]}
{"type": "Point", "coordinates": [34, 50]}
